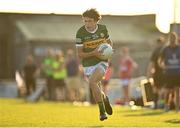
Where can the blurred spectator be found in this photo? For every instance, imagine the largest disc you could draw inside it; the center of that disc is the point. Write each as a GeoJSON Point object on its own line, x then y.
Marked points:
{"type": "Point", "coordinates": [170, 62]}
{"type": "Point", "coordinates": [74, 85]}
{"type": "Point", "coordinates": [155, 71]}
{"type": "Point", "coordinates": [106, 78]}
{"type": "Point", "coordinates": [59, 75]}
{"type": "Point", "coordinates": [126, 66]}
{"type": "Point", "coordinates": [30, 74]}
{"type": "Point", "coordinates": [48, 71]}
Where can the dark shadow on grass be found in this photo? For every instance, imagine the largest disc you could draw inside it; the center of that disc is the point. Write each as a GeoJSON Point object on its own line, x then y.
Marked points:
{"type": "Point", "coordinates": [173, 121]}
{"type": "Point", "coordinates": [146, 114]}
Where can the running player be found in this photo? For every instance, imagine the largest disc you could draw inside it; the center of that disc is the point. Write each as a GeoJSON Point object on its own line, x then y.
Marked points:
{"type": "Point", "coordinates": [88, 38]}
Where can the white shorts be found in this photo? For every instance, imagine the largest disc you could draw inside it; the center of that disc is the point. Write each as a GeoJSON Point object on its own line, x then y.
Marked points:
{"type": "Point", "coordinates": [125, 82]}
{"type": "Point", "coordinates": [89, 70]}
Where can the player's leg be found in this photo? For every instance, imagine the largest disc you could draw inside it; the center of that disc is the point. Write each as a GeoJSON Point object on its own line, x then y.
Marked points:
{"type": "Point", "coordinates": [93, 83]}
{"type": "Point", "coordinates": [176, 91]}
{"type": "Point", "coordinates": [125, 83]}
{"type": "Point", "coordinates": [27, 87]}
{"type": "Point", "coordinates": [126, 92]}
{"type": "Point", "coordinates": [166, 105]}
{"type": "Point", "coordinates": [177, 98]}
{"type": "Point", "coordinates": [106, 101]}
{"type": "Point", "coordinates": [105, 86]}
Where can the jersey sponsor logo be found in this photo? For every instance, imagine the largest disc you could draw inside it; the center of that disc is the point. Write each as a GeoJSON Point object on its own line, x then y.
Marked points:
{"type": "Point", "coordinates": [87, 38]}
{"type": "Point", "coordinates": [95, 36]}
{"type": "Point", "coordinates": [94, 43]}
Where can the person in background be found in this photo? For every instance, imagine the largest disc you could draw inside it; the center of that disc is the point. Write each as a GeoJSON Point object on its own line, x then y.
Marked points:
{"type": "Point", "coordinates": [30, 73]}
{"type": "Point", "coordinates": [73, 79]}
{"type": "Point", "coordinates": [59, 76]}
{"type": "Point", "coordinates": [48, 71]}
{"type": "Point", "coordinates": [106, 78]}
{"type": "Point", "coordinates": [170, 62]}
{"type": "Point", "coordinates": [155, 71]}
{"type": "Point", "coordinates": [88, 39]}
{"type": "Point", "coordinates": [126, 67]}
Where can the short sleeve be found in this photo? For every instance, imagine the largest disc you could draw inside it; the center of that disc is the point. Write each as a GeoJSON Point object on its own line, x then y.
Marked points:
{"type": "Point", "coordinates": [79, 42]}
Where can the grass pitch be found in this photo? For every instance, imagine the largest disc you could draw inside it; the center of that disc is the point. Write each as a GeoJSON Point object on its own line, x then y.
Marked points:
{"type": "Point", "coordinates": [18, 113]}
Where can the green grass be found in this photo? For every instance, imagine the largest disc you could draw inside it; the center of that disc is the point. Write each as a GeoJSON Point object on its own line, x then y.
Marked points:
{"type": "Point", "coordinates": [18, 113]}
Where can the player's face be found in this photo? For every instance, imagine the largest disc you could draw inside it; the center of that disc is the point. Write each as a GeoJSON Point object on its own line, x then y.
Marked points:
{"type": "Point", "coordinates": [90, 23]}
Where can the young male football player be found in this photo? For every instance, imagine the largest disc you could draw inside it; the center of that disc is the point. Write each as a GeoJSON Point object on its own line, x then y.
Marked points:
{"type": "Point", "coordinates": [88, 38]}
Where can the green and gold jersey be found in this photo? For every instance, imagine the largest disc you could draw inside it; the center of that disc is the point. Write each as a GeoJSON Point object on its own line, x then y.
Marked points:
{"type": "Point", "coordinates": [90, 41]}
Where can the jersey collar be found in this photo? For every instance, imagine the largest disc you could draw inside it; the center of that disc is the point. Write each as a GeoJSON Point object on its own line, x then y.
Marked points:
{"type": "Point", "coordinates": [92, 31]}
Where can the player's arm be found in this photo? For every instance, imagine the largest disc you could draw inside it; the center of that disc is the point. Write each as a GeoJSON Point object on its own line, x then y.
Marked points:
{"type": "Point", "coordinates": [109, 41]}
{"type": "Point", "coordinates": [161, 61]}
{"type": "Point", "coordinates": [151, 65]}
{"type": "Point", "coordinates": [150, 69]}
{"type": "Point", "coordinates": [82, 54]}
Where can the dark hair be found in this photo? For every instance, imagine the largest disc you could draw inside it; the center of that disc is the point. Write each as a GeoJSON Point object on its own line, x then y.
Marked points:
{"type": "Point", "coordinates": [92, 13]}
